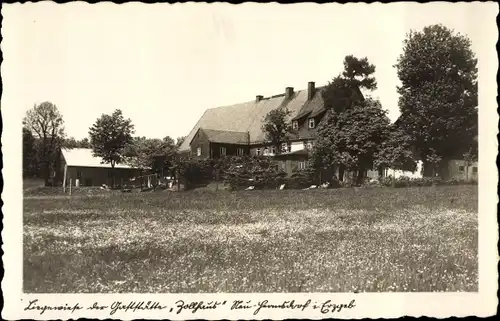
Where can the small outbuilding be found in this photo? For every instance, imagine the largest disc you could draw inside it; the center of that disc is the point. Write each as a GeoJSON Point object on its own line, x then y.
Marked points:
{"type": "Point", "coordinates": [82, 168]}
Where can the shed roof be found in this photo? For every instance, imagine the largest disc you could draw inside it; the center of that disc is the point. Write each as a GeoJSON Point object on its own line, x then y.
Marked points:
{"type": "Point", "coordinates": [83, 157]}
{"type": "Point", "coordinates": [228, 137]}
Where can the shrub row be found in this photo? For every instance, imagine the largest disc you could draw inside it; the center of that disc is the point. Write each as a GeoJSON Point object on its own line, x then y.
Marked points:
{"type": "Point", "coordinates": [405, 181]}
{"type": "Point", "coordinates": [240, 172]}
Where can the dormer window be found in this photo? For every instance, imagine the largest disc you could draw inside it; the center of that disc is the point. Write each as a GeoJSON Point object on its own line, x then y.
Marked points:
{"type": "Point", "coordinates": [312, 123]}
{"type": "Point", "coordinates": [295, 125]}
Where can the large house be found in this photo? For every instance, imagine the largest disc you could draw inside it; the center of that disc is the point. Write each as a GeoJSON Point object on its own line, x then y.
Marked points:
{"type": "Point", "coordinates": [237, 129]}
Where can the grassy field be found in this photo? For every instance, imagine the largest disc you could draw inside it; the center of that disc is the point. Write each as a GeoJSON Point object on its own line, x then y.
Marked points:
{"type": "Point", "coordinates": [341, 240]}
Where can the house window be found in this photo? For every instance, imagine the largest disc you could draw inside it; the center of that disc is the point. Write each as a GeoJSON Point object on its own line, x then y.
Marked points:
{"type": "Point", "coordinates": [474, 169]}
{"type": "Point", "coordinates": [239, 152]}
{"type": "Point", "coordinates": [308, 145]}
{"type": "Point", "coordinates": [223, 151]}
{"type": "Point", "coordinates": [302, 165]}
{"type": "Point", "coordinates": [461, 168]}
{"type": "Point", "coordinates": [198, 151]}
{"type": "Point", "coordinates": [257, 152]}
{"type": "Point", "coordinates": [273, 150]}
{"type": "Point", "coordinates": [295, 125]}
{"type": "Point", "coordinates": [284, 147]}
{"type": "Point", "coordinates": [312, 123]}
{"type": "Point", "coordinates": [79, 175]}
{"type": "Point", "coordinates": [266, 151]}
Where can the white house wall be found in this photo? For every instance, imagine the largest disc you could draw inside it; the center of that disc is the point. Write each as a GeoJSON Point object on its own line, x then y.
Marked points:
{"type": "Point", "coordinates": [296, 146]}
{"type": "Point", "coordinates": [399, 173]}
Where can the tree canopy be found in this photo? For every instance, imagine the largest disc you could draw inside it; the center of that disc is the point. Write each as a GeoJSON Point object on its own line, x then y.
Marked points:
{"type": "Point", "coordinates": [45, 123]}
{"type": "Point", "coordinates": [438, 94]}
{"type": "Point", "coordinates": [110, 135]}
{"type": "Point", "coordinates": [151, 153]}
{"type": "Point", "coordinates": [396, 152]}
{"type": "Point", "coordinates": [345, 89]}
{"type": "Point", "coordinates": [277, 127]}
{"type": "Point", "coordinates": [352, 138]}
{"type": "Point", "coordinates": [71, 142]}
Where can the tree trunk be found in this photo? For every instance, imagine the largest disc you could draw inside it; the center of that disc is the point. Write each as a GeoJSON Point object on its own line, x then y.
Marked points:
{"type": "Point", "coordinates": [428, 169]}
{"type": "Point", "coordinates": [444, 172]}
{"type": "Point", "coordinates": [113, 174]}
{"type": "Point", "coordinates": [341, 173]}
{"type": "Point", "coordinates": [380, 172]}
{"type": "Point", "coordinates": [46, 172]}
{"type": "Point", "coordinates": [359, 179]}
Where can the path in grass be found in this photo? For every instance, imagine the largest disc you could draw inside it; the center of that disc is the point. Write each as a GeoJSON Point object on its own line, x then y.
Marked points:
{"type": "Point", "coordinates": [415, 239]}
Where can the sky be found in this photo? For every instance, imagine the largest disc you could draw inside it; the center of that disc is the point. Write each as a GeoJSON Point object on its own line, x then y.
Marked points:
{"type": "Point", "coordinates": [163, 65]}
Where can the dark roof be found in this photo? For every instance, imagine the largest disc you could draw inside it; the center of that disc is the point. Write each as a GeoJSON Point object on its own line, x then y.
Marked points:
{"type": "Point", "coordinates": [247, 117]}
{"type": "Point", "coordinates": [228, 137]}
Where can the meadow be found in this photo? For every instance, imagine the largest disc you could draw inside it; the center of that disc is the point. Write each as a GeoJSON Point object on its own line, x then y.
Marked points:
{"type": "Point", "coordinates": [338, 240]}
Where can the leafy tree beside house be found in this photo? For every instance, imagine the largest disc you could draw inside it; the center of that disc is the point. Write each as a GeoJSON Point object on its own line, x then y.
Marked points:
{"type": "Point", "coordinates": [341, 95]}
{"type": "Point", "coordinates": [109, 136]}
{"type": "Point", "coordinates": [179, 141]}
{"type": "Point", "coordinates": [277, 127]}
{"type": "Point", "coordinates": [438, 95]}
{"type": "Point", "coordinates": [352, 138]}
{"type": "Point", "coordinates": [46, 124]}
{"type": "Point", "coordinates": [396, 152]}
{"type": "Point", "coordinates": [344, 90]}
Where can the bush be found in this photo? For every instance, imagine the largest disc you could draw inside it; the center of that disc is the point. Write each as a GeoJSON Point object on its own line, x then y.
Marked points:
{"type": "Point", "coordinates": [260, 172]}
{"type": "Point", "coordinates": [301, 179]}
{"type": "Point", "coordinates": [195, 172]}
{"type": "Point", "coordinates": [405, 181]}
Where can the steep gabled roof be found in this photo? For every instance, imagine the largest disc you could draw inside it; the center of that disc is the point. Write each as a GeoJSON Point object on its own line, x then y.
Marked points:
{"type": "Point", "coordinates": [83, 157]}
{"type": "Point", "coordinates": [313, 107]}
{"type": "Point", "coordinates": [249, 116]}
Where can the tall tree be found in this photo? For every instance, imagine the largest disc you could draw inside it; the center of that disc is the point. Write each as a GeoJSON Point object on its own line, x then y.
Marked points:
{"type": "Point", "coordinates": [343, 92]}
{"type": "Point", "coordinates": [109, 136]}
{"type": "Point", "coordinates": [345, 89]}
{"type": "Point", "coordinates": [277, 127]}
{"type": "Point", "coordinates": [438, 95]}
{"type": "Point", "coordinates": [46, 123]}
{"type": "Point", "coordinates": [352, 138]}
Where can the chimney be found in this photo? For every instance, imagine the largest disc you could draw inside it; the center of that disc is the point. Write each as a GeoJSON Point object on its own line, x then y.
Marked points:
{"type": "Point", "coordinates": [258, 98]}
{"type": "Point", "coordinates": [289, 92]}
{"type": "Point", "coordinates": [310, 90]}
